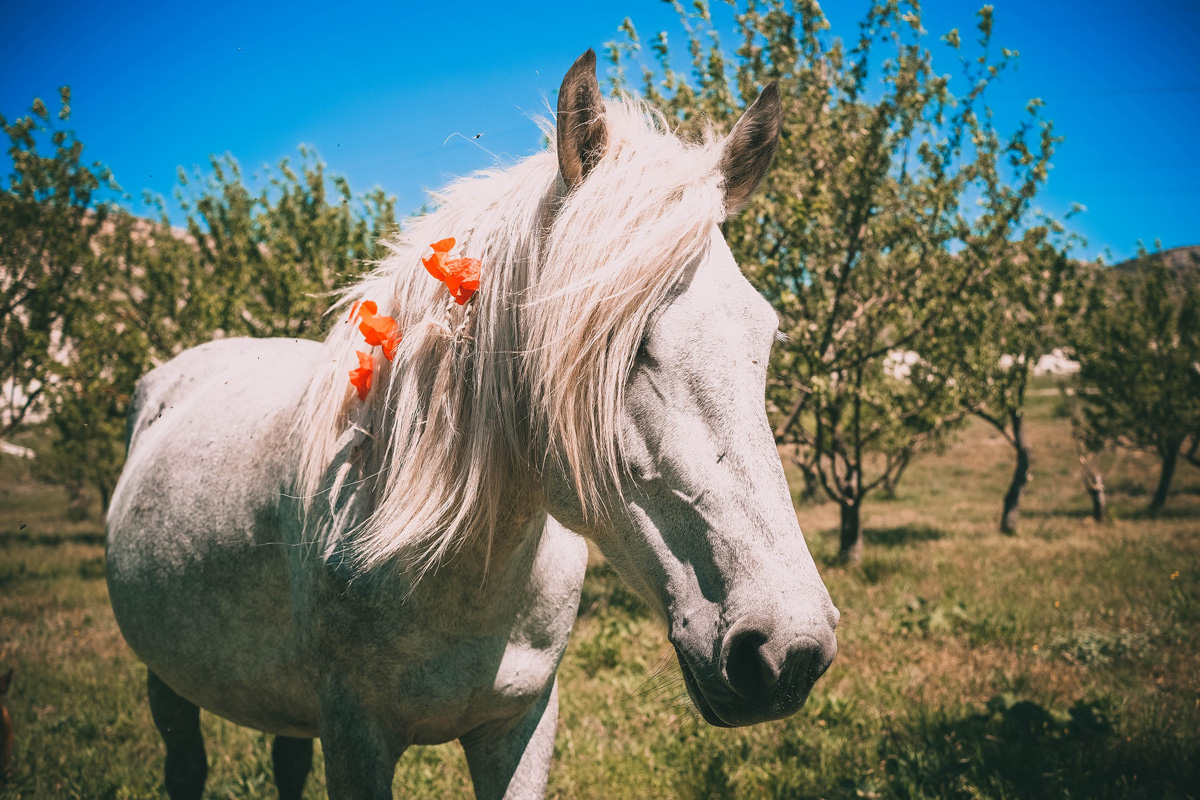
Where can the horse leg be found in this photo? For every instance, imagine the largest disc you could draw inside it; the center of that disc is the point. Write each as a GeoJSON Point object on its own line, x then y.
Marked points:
{"type": "Point", "coordinates": [178, 722]}
{"type": "Point", "coordinates": [359, 760]}
{"type": "Point", "coordinates": [512, 761]}
{"type": "Point", "coordinates": [293, 761]}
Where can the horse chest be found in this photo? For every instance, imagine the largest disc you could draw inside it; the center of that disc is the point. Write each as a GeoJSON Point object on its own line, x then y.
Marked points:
{"type": "Point", "coordinates": [469, 685]}
{"type": "Point", "coordinates": [431, 678]}
{"type": "Point", "coordinates": [449, 658]}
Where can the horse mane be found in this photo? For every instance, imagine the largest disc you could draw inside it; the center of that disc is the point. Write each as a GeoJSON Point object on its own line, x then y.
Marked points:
{"type": "Point", "coordinates": [479, 398]}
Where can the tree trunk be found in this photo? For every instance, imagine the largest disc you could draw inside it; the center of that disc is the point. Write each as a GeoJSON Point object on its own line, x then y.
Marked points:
{"type": "Point", "coordinates": [77, 502]}
{"type": "Point", "coordinates": [1012, 500]}
{"type": "Point", "coordinates": [1170, 459]}
{"type": "Point", "coordinates": [812, 484]}
{"type": "Point", "coordinates": [1099, 501]}
{"type": "Point", "coordinates": [1192, 453]}
{"type": "Point", "coordinates": [891, 478]}
{"type": "Point", "coordinates": [1092, 481]}
{"type": "Point", "coordinates": [851, 548]}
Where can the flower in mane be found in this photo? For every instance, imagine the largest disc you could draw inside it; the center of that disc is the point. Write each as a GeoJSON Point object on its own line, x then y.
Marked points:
{"type": "Point", "coordinates": [461, 275]}
{"type": "Point", "coordinates": [441, 251]}
{"type": "Point", "coordinates": [360, 378]}
{"type": "Point", "coordinates": [376, 329]}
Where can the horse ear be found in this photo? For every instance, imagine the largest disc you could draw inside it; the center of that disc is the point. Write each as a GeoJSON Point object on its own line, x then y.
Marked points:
{"type": "Point", "coordinates": [582, 134]}
{"type": "Point", "coordinates": [749, 148]}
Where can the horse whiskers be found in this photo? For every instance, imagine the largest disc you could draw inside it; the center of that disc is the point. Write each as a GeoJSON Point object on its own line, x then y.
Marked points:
{"type": "Point", "coordinates": [664, 680]}
{"type": "Point", "coordinates": [670, 686]}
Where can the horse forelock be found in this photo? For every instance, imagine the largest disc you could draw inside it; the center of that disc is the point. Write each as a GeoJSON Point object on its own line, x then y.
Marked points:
{"type": "Point", "coordinates": [534, 367]}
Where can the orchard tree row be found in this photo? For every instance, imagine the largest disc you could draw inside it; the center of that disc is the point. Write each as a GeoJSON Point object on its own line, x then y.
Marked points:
{"type": "Point", "coordinates": [896, 235]}
{"type": "Point", "coordinates": [92, 296]}
{"type": "Point", "coordinates": [898, 238]}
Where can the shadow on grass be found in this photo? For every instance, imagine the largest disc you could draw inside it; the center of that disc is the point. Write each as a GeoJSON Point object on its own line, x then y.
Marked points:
{"type": "Point", "coordinates": [1173, 510]}
{"type": "Point", "coordinates": [1079, 513]}
{"type": "Point", "coordinates": [1006, 748]}
{"type": "Point", "coordinates": [1129, 487]}
{"type": "Point", "coordinates": [1023, 749]}
{"type": "Point", "coordinates": [824, 544]}
{"type": "Point", "coordinates": [15, 572]}
{"type": "Point", "coordinates": [603, 590]}
{"type": "Point", "coordinates": [52, 539]}
{"type": "Point", "coordinates": [901, 535]}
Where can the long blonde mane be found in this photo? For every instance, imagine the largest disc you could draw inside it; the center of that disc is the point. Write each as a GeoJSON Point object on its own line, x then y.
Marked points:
{"type": "Point", "coordinates": [532, 370]}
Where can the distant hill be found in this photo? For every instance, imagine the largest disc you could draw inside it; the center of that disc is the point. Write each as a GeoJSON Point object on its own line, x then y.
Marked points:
{"type": "Point", "coordinates": [1178, 259]}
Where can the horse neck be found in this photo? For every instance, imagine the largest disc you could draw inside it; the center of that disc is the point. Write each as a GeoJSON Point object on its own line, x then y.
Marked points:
{"type": "Point", "coordinates": [483, 572]}
{"type": "Point", "coordinates": [512, 548]}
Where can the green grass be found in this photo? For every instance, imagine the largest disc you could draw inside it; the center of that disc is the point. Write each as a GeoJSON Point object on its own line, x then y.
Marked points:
{"type": "Point", "coordinates": [1062, 662]}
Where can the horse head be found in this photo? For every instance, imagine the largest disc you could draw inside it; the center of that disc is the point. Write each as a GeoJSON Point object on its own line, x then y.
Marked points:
{"type": "Point", "coordinates": [700, 520]}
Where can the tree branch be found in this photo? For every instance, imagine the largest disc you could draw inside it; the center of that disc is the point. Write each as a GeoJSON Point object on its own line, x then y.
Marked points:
{"type": "Point", "coordinates": [997, 424]}
{"type": "Point", "coordinates": [15, 421]}
{"type": "Point", "coordinates": [790, 419]}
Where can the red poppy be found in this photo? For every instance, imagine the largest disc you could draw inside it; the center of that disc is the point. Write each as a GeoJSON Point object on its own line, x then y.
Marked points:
{"type": "Point", "coordinates": [391, 344]}
{"type": "Point", "coordinates": [360, 378]}
{"type": "Point", "coordinates": [377, 329]}
{"type": "Point", "coordinates": [366, 306]}
{"type": "Point", "coordinates": [461, 275]}
{"type": "Point", "coordinates": [435, 262]}
{"type": "Point", "coordinates": [462, 278]}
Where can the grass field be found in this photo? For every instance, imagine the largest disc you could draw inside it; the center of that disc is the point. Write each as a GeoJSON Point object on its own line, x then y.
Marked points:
{"type": "Point", "coordinates": [1063, 662]}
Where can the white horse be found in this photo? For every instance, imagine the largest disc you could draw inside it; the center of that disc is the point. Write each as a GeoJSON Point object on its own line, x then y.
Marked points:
{"type": "Point", "coordinates": [383, 572]}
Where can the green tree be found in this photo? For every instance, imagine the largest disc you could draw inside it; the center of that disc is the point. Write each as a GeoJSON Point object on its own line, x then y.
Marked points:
{"type": "Point", "coordinates": [1138, 347]}
{"type": "Point", "coordinates": [1034, 290]}
{"type": "Point", "coordinates": [88, 404]}
{"type": "Point", "coordinates": [93, 297]}
{"type": "Point", "coordinates": [876, 232]}
{"type": "Point", "coordinates": [260, 263]}
{"type": "Point", "coordinates": [51, 216]}
{"type": "Point", "coordinates": [246, 263]}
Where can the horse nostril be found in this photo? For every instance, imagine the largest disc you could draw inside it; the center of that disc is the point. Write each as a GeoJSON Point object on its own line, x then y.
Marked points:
{"type": "Point", "coordinates": [746, 671]}
{"type": "Point", "coordinates": [757, 659]}
{"type": "Point", "coordinates": [750, 665]}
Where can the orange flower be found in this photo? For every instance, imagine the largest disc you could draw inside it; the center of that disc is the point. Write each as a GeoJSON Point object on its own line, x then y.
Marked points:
{"type": "Point", "coordinates": [367, 307]}
{"type": "Point", "coordinates": [435, 262]}
{"type": "Point", "coordinates": [462, 278]}
{"type": "Point", "coordinates": [391, 343]}
{"type": "Point", "coordinates": [360, 378]}
{"type": "Point", "coordinates": [461, 275]}
{"type": "Point", "coordinates": [377, 329]}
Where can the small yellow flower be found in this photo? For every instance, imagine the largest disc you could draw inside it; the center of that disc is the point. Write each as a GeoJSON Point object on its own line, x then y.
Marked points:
{"type": "Point", "coordinates": [1035, 647]}
{"type": "Point", "coordinates": [1174, 574]}
{"type": "Point", "coordinates": [1056, 604]}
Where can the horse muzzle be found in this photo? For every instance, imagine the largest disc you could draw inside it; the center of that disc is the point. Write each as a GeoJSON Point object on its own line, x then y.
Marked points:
{"type": "Point", "coordinates": [762, 671]}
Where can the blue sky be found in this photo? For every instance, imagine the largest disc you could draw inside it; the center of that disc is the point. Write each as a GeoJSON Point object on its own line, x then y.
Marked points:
{"type": "Point", "coordinates": [377, 88]}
